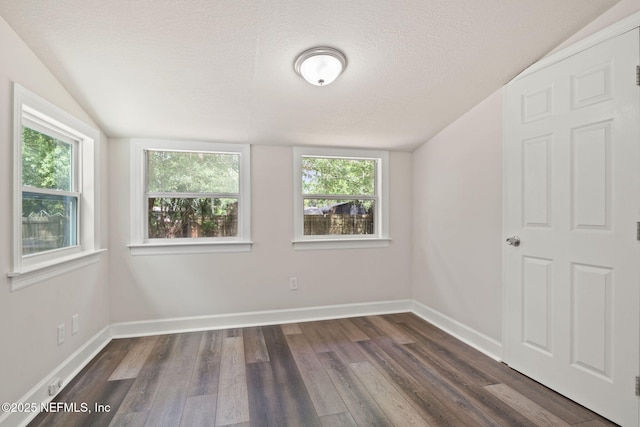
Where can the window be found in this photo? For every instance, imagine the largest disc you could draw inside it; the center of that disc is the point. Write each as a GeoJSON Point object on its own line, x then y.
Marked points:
{"type": "Point", "coordinates": [189, 196]}
{"type": "Point", "coordinates": [340, 198]}
{"type": "Point", "coordinates": [49, 190]}
{"type": "Point", "coordinates": [55, 212]}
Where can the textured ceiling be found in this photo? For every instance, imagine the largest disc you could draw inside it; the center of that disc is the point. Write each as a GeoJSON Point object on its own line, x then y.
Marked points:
{"type": "Point", "coordinates": [223, 69]}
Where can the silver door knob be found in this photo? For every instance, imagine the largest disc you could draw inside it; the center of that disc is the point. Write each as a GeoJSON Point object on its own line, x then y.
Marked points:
{"type": "Point", "coordinates": [513, 241]}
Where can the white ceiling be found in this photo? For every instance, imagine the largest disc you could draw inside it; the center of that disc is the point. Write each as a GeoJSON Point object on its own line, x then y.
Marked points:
{"type": "Point", "coordinates": [223, 69]}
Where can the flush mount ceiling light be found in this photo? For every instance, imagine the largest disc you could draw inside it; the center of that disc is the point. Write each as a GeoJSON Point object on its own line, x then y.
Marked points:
{"type": "Point", "coordinates": [320, 65]}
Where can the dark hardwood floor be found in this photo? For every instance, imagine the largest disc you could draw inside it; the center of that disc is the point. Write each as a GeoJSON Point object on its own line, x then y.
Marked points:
{"type": "Point", "coordinates": [391, 370]}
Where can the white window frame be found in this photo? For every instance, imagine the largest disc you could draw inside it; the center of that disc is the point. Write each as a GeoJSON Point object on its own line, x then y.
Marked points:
{"type": "Point", "coordinates": [380, 237]}
{"type": "Point", "coordinates": [35, 112]}
{"type": "Point", "coordinates": [141, 245]}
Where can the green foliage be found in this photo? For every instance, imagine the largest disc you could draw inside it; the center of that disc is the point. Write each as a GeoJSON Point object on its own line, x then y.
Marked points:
{"type": "Point", "coordinates": [191, 217]}
{"type": "Point", "coordinates": [46, 164]}
{"type": "Point", "coordinates": [48, 219]}
{"type": "Point", "coordinates": [338, 176]}
{"type": "Point", "coordinates": [46, 161]}
{"type": "Point", "coordinates": [190, 172]}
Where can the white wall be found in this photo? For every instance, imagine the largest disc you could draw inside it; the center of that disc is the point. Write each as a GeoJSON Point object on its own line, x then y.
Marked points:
{"type": "Point", "coordinates": [157, 287]}
{"type": "Point", "coordinates": [29, 317]}
{"type": "Point", "coordinates": [617, 12]}
{"type": "Point", "coordinates": [457, 210]}
{"type": "Point", "coordinates": [457, 202]}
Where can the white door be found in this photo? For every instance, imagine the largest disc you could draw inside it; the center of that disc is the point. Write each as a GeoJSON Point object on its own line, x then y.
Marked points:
{"type": "Point", "coordinates": [572, 168]}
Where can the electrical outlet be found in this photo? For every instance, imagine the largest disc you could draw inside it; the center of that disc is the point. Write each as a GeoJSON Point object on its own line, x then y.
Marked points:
{"type": "Point", "coordinates": [54, 387]}
{"type": "Point", "coordinates": [61, 334]}
{"type": "Point", "coordinates": [75, 327]}
{"type": "Point", "coordinates": [293, 283]}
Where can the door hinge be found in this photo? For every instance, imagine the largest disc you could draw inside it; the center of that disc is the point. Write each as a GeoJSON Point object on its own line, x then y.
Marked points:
{"type": "Point", "coordinates": [638, 232]}
{"type": "Point", "coordinates": [638, 75]}
{"type": "Point", "coordinates": [637, 386]}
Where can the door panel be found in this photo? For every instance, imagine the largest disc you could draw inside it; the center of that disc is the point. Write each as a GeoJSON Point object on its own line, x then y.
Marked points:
{"type": "Point", "coordinates": [537, 303]}
{"type": "Point", "coordinates": [591, 315]}
{"type": "Point", "coordinates": [591, 179]}
{"type": "Point", "coordinates": [537, 182]}
{"type": "Point", "coordinates": [572, 195]}
{"type": "Point", "coordinates": [592, 86]}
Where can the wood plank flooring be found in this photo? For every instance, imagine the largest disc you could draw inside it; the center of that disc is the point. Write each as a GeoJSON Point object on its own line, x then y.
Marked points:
{"type": "Point", "coordinates": [391, 370]}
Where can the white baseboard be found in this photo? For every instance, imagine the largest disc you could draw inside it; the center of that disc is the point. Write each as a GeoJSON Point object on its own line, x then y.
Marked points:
{"type": "Point", "coordinates": [78, 360]}
{"type": "Point", "coordinates": [256, 318]}
{"type": "Point", "coordinates": [66, 371]}
{"type": "Point", "coordinates": [475, 339]}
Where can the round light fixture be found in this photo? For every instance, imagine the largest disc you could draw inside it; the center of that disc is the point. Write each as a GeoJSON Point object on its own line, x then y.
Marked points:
{"type": "Point", "coordinates": [320, 65]}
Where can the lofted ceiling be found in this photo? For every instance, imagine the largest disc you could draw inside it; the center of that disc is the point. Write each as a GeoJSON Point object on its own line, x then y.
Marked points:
{"type": "Point", "coordinates": [222, 70]}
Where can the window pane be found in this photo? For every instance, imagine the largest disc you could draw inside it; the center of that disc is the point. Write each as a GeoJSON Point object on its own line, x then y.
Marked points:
{"type": "Point", "coordinates": [46, 161]}
{"type": "Point", "coordinates": [338, 217]}
{"type": "Point", "coordinates": [338, 176]}
{"type": "Point", "coordinates": [191, 172]}
{"type": "Point", "coordinates": [192, 217]}
{"type": "Point", "coordinates": [48, 222]}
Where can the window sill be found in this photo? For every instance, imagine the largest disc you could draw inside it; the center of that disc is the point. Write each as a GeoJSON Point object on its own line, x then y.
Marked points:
{"type": "Point", "coordinates": [319, 244]}
{"type": "Point", "coordinates": [35, 273]}
{"type": "Point", "coordinates": [189, 248]}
